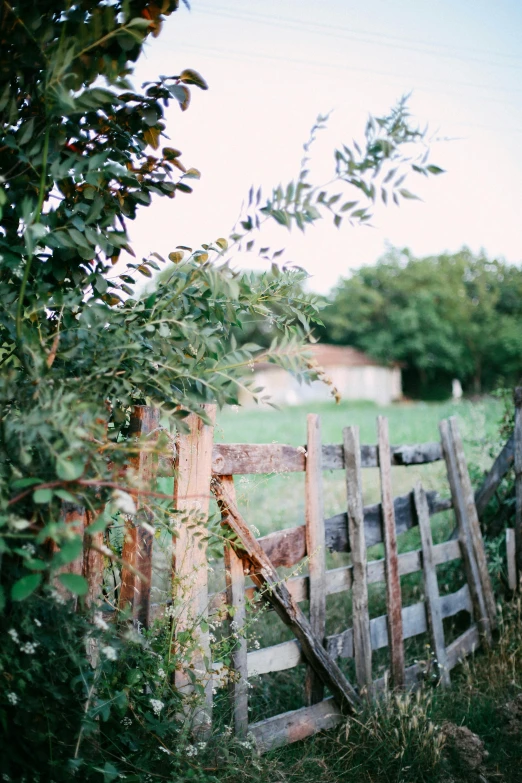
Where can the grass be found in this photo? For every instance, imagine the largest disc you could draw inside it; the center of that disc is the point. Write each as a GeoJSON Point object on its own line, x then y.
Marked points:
{"type": "Point", "coordinates": [409, 738]}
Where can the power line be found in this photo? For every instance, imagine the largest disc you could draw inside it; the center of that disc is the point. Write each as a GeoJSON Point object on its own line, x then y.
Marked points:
{"type": "Point", "coordinates": [231, 54]}
{"type": "Point", "coordinates": [354, 34]}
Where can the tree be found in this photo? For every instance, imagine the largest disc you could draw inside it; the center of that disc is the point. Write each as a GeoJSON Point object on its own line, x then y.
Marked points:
{"type": "Point", "coordinates": [444, 317]}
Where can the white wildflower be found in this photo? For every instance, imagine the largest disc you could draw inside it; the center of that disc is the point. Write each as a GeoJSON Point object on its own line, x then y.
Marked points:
{"type": "Point", "coordinates": [234, 625]}
{"type": "Point", "coordinates": [165, 750]}
{"type": "Point", "coordinates": [170, 611]}
{"type": "Point", "coordinates": [256, 644]}
{"type": "Point", "coordinates": [37, 622]}
{"type": "Point", "coordinates": [191, 750]}
{"type": "Point", "coordinates": [58, 598]}
{"type": "Point", "coordinates": [12, 698]}
{"type": "Point", "coordinates": [162, 673]}
{"type": "Point", "coordinates": [99, 622]}
{"type": "Point", "coordinates": [29, 647]}
{"type": "Point", "coordinates": [110, 653]}
{"type": "Point", "coordinates": [126, 722]}
{"type": "Point", "coordinates": [211, 637]}
{"type": "Point", "coordinates": [124, 502]}
{"type": "Point", "coordinates": [202, 745]}
{"type": "Point", "coordinates": [30, 549]}
{"type": "Point", "coordinates": [157, 706]}
{"type": "Point", "coordinates": [14, 635]}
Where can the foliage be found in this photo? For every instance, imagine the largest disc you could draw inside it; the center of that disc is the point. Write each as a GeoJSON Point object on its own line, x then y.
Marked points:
{"type": "Point", "coordinates": [444, 317]}
{"type": "Point", "coordinates": [81, 150]}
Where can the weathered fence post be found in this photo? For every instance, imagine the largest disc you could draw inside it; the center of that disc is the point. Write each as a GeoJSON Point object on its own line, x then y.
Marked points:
{"type": "Point", "coordinates": [467, 549]}
{"type": "Point", "coordinates": [315, 546]}
{"type": "Point", "coordinates": [391, 563]}
{"type": "Point", "coordinates": [518, 483]}
{"type": "Point", "coordinates": [137, 548]}
{"type": "Point", "coordinates": [191, 500]}
{"type": "Point", "coordinates": [362, 644]}
{"type": "Point", "coordinates": [235, 582]}
{"type": "Point", "coordinates": [431, 587]}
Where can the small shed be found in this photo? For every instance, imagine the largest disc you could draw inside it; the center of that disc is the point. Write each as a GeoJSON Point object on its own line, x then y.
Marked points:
{"type": "Point", "coordinates": [355, 374]}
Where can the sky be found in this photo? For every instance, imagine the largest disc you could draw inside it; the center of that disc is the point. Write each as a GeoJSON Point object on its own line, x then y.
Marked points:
{"type": "Point", "coordinates": [272, 67]}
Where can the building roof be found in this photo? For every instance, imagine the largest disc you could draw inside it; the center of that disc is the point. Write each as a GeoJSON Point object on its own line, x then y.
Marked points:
{"type": "Point", "coordinates": [341, 356]}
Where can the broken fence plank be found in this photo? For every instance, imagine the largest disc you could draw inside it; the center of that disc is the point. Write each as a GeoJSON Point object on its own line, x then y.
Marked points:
{"type": "Point", "coordinates": [315, 548]}
{"type": "Point", "coordinates": [340, 579]}
{"type": "Point", "coordinates": [361, 617]}
{"type": "Point", "coordinates": [431, 587]}
{"type": "Point", "coordinates": [137, 546]}
{"type": "Point", "coordinates": [391, 563]}
{"type": "Point", "coordinates": [296, 725]}
{"type": "Point", "coordinates": [474, 525]}
{"type": "Point", "coordinates": [192, 498]}
{"type": "Point", "coordinates": [500, 467]}
{"type": "Point", "coordinates": [235, 592]}
{"type": "Point", "coordinates": [286, 655]}
{"type": "Point", "coordinates": [460, 506]}
{"type": "Point", "coordinates": [466, 643]}
{"type": "Point", "coordinates": [239, 458]}
{"type": "Point", "coordinates": [275, 591]}
{"type": "Point", "coordinates": [287, 547]}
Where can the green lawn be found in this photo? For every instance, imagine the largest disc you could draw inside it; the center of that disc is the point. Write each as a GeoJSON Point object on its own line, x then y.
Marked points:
{"type": "Point", "coordinates": [275, 502]}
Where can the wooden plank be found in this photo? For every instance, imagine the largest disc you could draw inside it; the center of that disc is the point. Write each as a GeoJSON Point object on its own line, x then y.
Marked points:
{"type": "Point", "coordinates": [315, 548]}
{"type": "Point", "coordinates": [431, 587]}
{"type": "Point", "coordinates": [296, 725]}
{"type": "Point", "coordinates": [137, 546]}
{"type": "Point", "coordinates": [391, 563]}
{"type": "Point", "coordinates": [239, 458]}
{"type": "Point", "coordinates": [500, 467]}
{"type": "Point", "coordinates": [464, 645]}
{"type": "Point", "coordinates": [474, 525]}
{"type": "Point", "coordinates": [265, 576]}
{"type": "Point", "coordinates": [287, 547]}
{"type": "Point", "coordinates": [235, 597]}
{"type": "Point", "coordinates": [468, 554]}
{"type": "Point", "coordinates": [340, 579]}
{"type": "Point", "coordinates": [361, 617]}
{"type": "Point", "coordinates": [511, 558]}
{"type": "Point", "coordinates": [286, 655]}
{"type": "Point", "coordinates": [191, 498]}
{"type": "Point", "coordinates": [518, 482]}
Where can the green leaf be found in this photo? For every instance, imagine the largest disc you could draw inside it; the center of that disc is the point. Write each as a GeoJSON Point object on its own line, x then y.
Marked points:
{"type": "Point", "coordinates": [406, 194]}
{"type": "Point", "coordinates": [75, 583]}
{"type": "Point", "coordinates": [189, 76]}
{"type": "Point", "coordinates": [68, 552]}
{"type": "Point", "coordinates": [69, 469]}
{"type": "Point", "coordinates": [2, 599]}
{"type": "Point", "coordinates": [43, 495]}
{"type": "Point", "coordinates": [25, 586]}
{"type": "Point", "coordinates": [26, 482]}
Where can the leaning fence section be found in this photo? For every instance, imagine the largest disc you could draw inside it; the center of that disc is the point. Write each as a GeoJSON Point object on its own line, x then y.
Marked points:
{"type": "Point", "coordinates": [202, 467]}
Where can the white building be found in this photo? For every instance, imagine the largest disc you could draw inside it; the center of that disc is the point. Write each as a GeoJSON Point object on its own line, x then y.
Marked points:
{"type": "Point", "coordinates": [355, 374]}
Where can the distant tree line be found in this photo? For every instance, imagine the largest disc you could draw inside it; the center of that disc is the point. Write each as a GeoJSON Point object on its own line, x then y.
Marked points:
{"type": "Point", "coordinates": [442, 317]}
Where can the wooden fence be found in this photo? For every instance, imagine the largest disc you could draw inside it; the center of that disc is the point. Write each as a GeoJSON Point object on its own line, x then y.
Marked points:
{"type": "Point", "coordinates": [251, 565]}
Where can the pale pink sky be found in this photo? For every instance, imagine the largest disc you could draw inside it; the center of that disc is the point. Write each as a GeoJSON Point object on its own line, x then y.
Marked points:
{"type": "Point", "coordinates": [272, 67]}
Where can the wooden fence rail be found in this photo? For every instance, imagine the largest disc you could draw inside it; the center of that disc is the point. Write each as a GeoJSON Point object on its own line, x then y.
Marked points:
{"type": "Point", "coordinates": [251, 565]}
